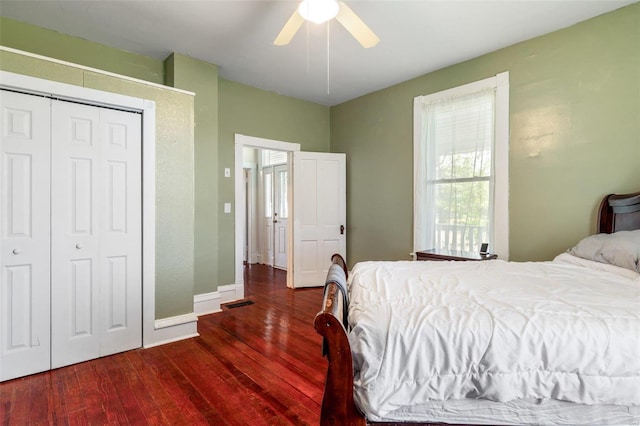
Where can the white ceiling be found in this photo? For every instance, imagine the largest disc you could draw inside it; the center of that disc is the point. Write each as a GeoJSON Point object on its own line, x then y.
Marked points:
{"type": "Point", "coordinates": [417, 36]}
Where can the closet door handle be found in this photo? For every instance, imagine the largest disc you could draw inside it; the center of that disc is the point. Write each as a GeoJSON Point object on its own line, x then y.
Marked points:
{"type": "Point", "coordinates": [78, 246]}
{"type": "Point", "coordinates": [16, 251]}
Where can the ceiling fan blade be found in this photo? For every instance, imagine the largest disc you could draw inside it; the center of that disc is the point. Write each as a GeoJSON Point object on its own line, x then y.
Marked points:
{"type": "Point", "coordinates": [289, 30]}
{"type": "Point", "coordinates": [358, 29]}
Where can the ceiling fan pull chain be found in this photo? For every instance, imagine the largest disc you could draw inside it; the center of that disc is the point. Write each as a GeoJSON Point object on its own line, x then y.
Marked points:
{"type": "Point", "coordinates": [328, 23]}
{"type": "Point", "coordinates": [308, 54]}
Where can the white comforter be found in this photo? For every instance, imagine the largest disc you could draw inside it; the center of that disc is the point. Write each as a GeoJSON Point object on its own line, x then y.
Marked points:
{"type": "Point", "coordinates": [426, 331]}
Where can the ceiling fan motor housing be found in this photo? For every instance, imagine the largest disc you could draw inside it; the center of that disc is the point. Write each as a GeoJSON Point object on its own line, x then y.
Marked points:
{"type": "Point", "coordinates": [318, 11]}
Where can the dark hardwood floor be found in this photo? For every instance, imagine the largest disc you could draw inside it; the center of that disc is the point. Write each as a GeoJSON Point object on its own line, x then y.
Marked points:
{"type": "Point", "coordinates": [258, 364]}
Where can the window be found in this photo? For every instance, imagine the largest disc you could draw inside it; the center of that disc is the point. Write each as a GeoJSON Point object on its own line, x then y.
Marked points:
{"type": "Point", "coordinates": [273, 158]}
{"type": "Point", "coordinates": [268, 193]}
{"type": "Point", "coordinates": [461, 167]}
{"type": "Point", "coordinates": [283, 206]}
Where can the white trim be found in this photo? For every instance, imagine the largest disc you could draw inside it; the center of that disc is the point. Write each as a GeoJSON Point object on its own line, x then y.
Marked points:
{"type": "Point", "coordinates": [94, 70]}
{"type": "Point", "coordinates": [476, 86]}
{"type": "Point", "coordinates": [253, 249]}
{"type": "Point", "coordinates": [239, 289]}
{"type": "Point", "coordinates": [150, 336]}
{"type": "Point", "coordinates": [501, 158]}
{"type": "Point", "coordinates": [230, 292]}
{"type": "Point", "coordinates": [209, 303]}
{"type": "Point", "coordinates": [206, 303]}
{"type": "Point", "coordinates": [501, 152]}
{"type": "Point", "coordinates": [174, 321]}
{"type": "Point", "coordinates": [254, 142]}
{"type": "Point", "coordinates": [417, 135]}
{"type": "Point", "coordinates": [38, 86]}
{"type": "Point", "coordinates": [173, 329]}
{"type": "Point", "coordinates": [174, 334]}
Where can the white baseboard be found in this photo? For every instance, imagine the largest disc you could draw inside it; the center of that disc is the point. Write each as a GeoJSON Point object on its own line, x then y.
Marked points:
{"type": "Point", "coordinates": [209, 303]}
{"type": "Point", "coordinates": [167, 330]}
{"type": "Point", "coordinates": [172, 329]}
{"type": "Point", "coordinates": [228, 293]}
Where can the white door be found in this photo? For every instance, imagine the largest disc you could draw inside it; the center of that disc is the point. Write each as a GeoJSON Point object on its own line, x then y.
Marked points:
{"type": "Point", "coordinates": [319, 211]}
{"type": "Point", "coordinates": [24, 243]}
{"type": "Point", "coordinates": [96, 240]}
{"type": "Point", "coordinates": [121, 232]}
{"type": "Point", "coordinates": [267, 209]}
{"type": "Point", "coordinates": [280, 215]}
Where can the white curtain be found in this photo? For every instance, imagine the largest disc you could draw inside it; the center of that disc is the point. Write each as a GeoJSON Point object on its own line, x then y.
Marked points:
{"type": "Point", "coordinates": [454, 171]}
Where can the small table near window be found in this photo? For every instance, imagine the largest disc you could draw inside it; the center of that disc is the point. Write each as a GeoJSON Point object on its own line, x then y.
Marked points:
{"type": "Point", "coordinates": [435, 254]}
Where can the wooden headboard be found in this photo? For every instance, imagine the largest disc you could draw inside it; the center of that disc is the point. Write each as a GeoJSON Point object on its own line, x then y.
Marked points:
{"type": "Point", "coordinates": [619, 213]}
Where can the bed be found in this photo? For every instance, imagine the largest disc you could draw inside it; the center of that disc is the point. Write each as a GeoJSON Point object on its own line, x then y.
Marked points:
{"type": "Point", "coordinates": [490, 342]}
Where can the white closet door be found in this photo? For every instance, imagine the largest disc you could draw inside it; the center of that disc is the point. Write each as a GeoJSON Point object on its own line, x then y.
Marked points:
{"type": "Point", "coordinates": [121, 232]}
{"type": "Point", "coordinates": [76, 182]}
{"type": "Point", "coordinates": [96, 237]}
{"type": "Point", "coordinates": [24, 246]}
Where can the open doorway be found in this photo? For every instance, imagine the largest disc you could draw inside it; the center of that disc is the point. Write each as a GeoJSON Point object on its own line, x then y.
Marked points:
{"type": "Point", "coordinates": [317, 183]}
{"type": "Point", "coordinates": [266, 205]}
{"type": "Point", "coordinates": [247, 180]}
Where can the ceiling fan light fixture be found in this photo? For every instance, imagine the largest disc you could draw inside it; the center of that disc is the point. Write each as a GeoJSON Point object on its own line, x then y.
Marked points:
{"type": "Point", "coordinates": [319, 11]}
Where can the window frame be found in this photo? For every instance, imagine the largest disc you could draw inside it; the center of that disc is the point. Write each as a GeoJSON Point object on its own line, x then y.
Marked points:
{"type": "Point", "coordinates": [500, 153]}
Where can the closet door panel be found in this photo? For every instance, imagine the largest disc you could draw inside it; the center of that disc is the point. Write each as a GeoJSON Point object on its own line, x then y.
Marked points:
{"type": "Point", "coordinates": [25, 235]}
{"type": "Point", "coordinates": [76, 183]}
{"type": "Point", "coordinates": [121, 232]}
{"type": "Point", "coordinates": [71, 233]}
{"type": "Point", "coordinates": [97, 257]}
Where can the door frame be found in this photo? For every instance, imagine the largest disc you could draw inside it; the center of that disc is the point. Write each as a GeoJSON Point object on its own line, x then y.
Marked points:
{"type": "Point", "coordinates": [37, 86]}
{"type": "Point", "coordinates": [251, 212]}
{"type": "Point", "coordinates": [242, 141]}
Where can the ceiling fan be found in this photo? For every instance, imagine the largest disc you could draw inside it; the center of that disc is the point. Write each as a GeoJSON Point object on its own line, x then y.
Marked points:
{"type": "Point", "coordinates": [320, 11]}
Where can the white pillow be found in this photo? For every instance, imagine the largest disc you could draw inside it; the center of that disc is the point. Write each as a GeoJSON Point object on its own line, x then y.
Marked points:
{"type": "Point", "coordinates": [620, 249]}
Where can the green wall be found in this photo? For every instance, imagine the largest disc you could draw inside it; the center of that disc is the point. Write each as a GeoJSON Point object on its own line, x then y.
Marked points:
{"type": "Point", "coordinates": [79, 51]}
{"type": "Point", "coordinates": [202, 78]}
{"type": "Point", "coordinates": [174, 172]}
{"type": "Point", "coordinates": [574, 137]}
{"type": "Point", "coordinates": [254, 112]}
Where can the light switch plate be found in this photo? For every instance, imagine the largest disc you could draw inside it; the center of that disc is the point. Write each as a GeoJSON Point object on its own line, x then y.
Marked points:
{"type": "Point", "coordinates": [227, 207]}
{"type": "Point", "coordinates": [227, 172]}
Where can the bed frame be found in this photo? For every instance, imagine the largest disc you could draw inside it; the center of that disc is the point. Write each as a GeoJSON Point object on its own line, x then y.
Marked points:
{"type": "Point", "coordinates": [616, 213]}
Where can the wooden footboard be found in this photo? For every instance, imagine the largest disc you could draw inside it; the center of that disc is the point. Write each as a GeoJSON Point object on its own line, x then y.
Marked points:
{"type": "Point", "coordinates": [338, 406]}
